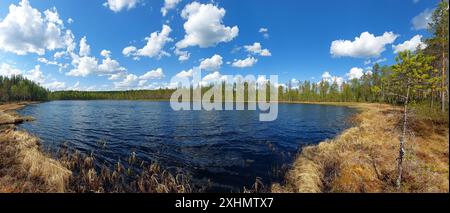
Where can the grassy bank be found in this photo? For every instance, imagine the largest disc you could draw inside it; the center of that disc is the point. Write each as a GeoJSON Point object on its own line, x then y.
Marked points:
{"type": "Point", "coordinates": [25, 167]}
{"type": "Point", "coordinates": [364, 158]}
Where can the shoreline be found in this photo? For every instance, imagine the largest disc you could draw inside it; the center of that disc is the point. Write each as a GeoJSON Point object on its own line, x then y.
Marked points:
{"type": "Point", "coordinates": [363, 158]}
{"type": "Point", "coordinates": [310, 171]}
{"type": "Point", "coordinates": [23, 165]}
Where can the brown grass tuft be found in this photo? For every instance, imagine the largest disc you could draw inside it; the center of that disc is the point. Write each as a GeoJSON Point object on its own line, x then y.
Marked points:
{"type": "Point", "coordinates": [131, 176]}
{"type": "Point", "coordinates": [24, 168]}
{"type": "Point", "coordinates": [364, 158]}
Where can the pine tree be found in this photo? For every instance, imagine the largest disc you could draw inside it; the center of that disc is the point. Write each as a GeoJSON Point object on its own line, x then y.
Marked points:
{"type": "Point", "coordinates": [438, 45]}
{"type": "Point", "coordinates": [410, 74]}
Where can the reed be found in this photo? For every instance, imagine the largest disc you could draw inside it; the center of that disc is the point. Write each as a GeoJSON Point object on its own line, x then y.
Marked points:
{"type": "Point", "coordinates": [131, 176]}
{"type": "Point", "coordinates": [25, 168]}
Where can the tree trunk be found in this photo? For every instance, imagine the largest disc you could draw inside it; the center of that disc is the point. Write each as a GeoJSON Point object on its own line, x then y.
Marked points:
{"type": "Point", "coordinates": [432, 99]}
{"type": "Point", "coordinates": [443, 80]}
{"type": "Point", "coordinates": [402, 141]}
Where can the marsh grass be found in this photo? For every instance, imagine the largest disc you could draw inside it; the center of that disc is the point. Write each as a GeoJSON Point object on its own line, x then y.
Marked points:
{"type": "Point", "coordinates": [364, 158]}
{"type": "Point", "coordinates": [130, 176]}
{"type": "Point", "coordinates": [257, 187]}
{"type": "Point", "coordinates": [24, 168]}
{"type": "Point", "coordinates": [14, 177]}
{"type": "Point", "coordinates": [426, 120]}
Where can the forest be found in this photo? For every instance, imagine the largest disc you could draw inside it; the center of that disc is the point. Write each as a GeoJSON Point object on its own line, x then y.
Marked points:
{"type": "Point", "coordinates": [18, 88]}
{"type": "Point", "coordinates": [160, 94]}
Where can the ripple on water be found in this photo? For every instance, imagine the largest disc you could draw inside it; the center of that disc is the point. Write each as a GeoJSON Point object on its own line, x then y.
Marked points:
{"type": "Point", "coordinates": [230, 148]}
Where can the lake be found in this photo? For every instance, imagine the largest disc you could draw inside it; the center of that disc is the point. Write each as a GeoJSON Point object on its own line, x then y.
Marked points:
{"type": "Point", "coordinates": [228, 148]}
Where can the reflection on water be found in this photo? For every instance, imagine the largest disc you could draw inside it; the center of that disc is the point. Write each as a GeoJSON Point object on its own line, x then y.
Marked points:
{"type": "Point", "coordinates": [229, 148]}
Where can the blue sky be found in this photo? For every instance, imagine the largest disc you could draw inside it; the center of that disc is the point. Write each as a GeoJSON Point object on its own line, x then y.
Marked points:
{"type": "Point", "coordinates": [305, 40]}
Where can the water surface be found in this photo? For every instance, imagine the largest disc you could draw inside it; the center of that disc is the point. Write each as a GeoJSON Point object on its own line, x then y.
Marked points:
{"type": "Point", "coordinates": [229, 148]}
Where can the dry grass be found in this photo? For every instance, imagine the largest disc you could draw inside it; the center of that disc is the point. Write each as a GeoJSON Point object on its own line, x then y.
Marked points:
{"type": "Point", "coordinates": [133, 176]}
{"type": "Point", "coordinates": [364, 158]}
{"type": "Point", "coordinates": [24, 167]}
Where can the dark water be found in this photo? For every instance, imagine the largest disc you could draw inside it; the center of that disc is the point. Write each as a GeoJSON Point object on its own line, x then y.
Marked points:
{"type": "Point", "coordinates": [230, 148]}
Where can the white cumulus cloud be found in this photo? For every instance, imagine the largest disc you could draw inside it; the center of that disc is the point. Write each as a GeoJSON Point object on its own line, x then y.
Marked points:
{"type": "Point", "coordinates": [265, 32]}
{"type": "Point", "coordinates": [421, 21]}
{"type": "Point", "coordinates": [8, 70]}
{"type": "Point", "coordinates": [105, 53]}
{"type": "Point", "coordinates": [185, 74]}
{"type": "Point", "coordinates": [411, 45]}
{"type": "Point", "coordinates": [85, 49]}
{"type": "Point", "coordinates": [204, 27]}
{"type": "Point", "coordinates": [154, 47]}
{"type": "Point", "coordinates": [212, 63]}
{"type": "Point", "coordinates": [85, 65]}
{"type": "Point", "coordinates": [127, 83]}
{"type": "Point", "coordinates": [26, 30]}
{"type": "Point", "coordinates": [182, 55]}
{"type": "Point", "coordinates": [365, 46]}
{"type": "Point", "coordinates": [169, 5]}
{"type": "Point", "coordinates": [355, 73]}
{"type": "Point", "coordinates": [35, 75]}
{"type": "Point", "coordinates": [117, 76]}
{"type": "Point", "coordinates": [55, 85]}
{"type": "Point", "coordinates": [248, 62]}
{"type": "Point", "coordinates": [109, 67]}
{"type": "Point", "coordinates": [132, 81]}
{"type": "Point", "coordinates": [153, 74]}
{"type": "Point", "coordinates": [55, 63]}
{"type": "Point", "coordinates": [256, 48]}
{"type": "Point", "coordinates": [213, 78]}
{"type": "Point", "coordinates": [118, 5]}
{"type": "Point", "coordinates": [128, 51]}
{"type": "Point", "coordinates": [327, 77]}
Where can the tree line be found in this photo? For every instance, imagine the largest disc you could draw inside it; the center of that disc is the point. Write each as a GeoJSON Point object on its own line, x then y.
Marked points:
{"type": "Point", "coordinates": [160, 94]}
{"type": "Point", "coordinates": [18, 88]}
